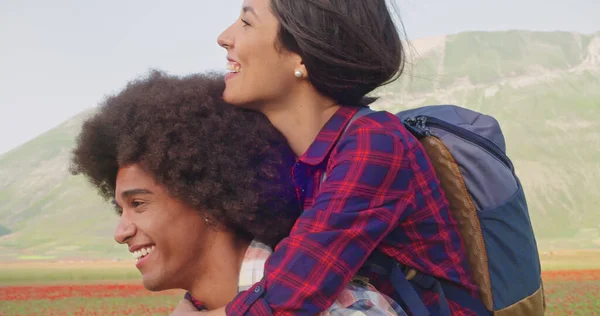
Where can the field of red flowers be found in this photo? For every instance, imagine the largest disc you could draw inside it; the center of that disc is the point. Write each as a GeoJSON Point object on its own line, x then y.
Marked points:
{"type": "Point", "coordinates": [568, 293]}
{"type": "Point", "coordinates": [86, 299]}
{"type": "Point", "coordinates": [572, 292]}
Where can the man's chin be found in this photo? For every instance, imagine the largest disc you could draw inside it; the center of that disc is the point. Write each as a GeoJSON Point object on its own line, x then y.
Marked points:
{"type": "Point", "coordinates": [153, 285]}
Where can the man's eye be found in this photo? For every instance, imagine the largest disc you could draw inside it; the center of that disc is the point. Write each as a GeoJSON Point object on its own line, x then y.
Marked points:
{"type": "Point", "coordinates": [136, 203]}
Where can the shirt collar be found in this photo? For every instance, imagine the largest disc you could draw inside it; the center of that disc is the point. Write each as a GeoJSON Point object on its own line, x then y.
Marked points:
{"type": "Point", "coordinates": [253, 265]}
{"type": "Point", "coordinates": [328, 136]}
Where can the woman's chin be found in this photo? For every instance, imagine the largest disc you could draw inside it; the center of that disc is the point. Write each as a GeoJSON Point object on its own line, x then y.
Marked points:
{"type": "Point", "coordinates": [232, 98]}
{"type": "Point", "coordinates": [237, 98]}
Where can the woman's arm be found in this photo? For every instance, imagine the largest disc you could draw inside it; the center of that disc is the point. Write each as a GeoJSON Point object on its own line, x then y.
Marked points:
{"type": "Point", "coordinates": [186, 308]}
{"type": "Point", "coordinates": [369, 183]}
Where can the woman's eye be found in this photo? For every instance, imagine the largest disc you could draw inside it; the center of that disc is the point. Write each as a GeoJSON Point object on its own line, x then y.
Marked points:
{"type": "Point", "coordinates": [245, 22]}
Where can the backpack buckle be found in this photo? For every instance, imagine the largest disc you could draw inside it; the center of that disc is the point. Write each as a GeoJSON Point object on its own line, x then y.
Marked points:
{"type": "Point", "coordinates": [410, 274]}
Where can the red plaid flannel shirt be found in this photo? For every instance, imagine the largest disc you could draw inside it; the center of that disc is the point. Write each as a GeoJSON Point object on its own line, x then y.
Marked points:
{"type": "Point", "coordinates": [357, 298]}
{"type": "Point", "coordinates": [380, 193]}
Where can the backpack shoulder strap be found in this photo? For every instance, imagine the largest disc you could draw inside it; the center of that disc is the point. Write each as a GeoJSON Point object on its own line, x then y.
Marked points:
{"type": "Point", "coordinates": [364, 110]}
{"type": "Point", "coordinates": [360, 113]}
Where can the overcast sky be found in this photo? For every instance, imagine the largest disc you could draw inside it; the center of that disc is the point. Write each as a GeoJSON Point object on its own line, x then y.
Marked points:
{"type": "Point", "coordinates": [60, 57]}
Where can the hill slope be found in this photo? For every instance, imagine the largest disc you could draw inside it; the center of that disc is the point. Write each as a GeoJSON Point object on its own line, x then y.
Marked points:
{"type": "Point", "coordinates": [544, 88]}
{"type": "Point", "coordinates": [45, 212]}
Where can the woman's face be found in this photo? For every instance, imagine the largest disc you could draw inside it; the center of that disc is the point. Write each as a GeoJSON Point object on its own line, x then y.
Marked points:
{"type": "Point", "coordinates": [171, 237]}
{"type": "Point", "coordinates": [261, 70]}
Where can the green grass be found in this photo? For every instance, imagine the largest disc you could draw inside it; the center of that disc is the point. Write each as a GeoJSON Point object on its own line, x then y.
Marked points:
{"type": "Point", "coordinates": [572, 297]}
{"type": "Point", "coordinates": [570, 260]}
{"type": "Point", "coordinates": [4, 231]}
{"type": "Point", "coordinates": [484, 57]}
{"type": "Point", "coordinates": [563, 298]}
{"type": "Point", "coordinates": [65, 301]}
{"type": "Point", "coordinates": [52, 273]}
{"type": "Point", "coordinates": [563, 294]}
{"type": "Point", "coordinates": [141, 305]}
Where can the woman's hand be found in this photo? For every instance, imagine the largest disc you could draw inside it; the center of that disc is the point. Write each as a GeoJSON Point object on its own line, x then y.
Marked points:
{"type": "Point", "coordinates": [215, 312]}
{"type": "Point", "coordinates": [186, 308]}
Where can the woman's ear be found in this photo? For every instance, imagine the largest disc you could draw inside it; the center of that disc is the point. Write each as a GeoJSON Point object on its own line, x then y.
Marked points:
{"type": "Point", "coordinates": [300, 70]}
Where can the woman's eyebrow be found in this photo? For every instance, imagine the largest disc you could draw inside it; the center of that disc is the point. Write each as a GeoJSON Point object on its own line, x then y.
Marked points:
{"type": "Point", "coordinates": [251, 10]}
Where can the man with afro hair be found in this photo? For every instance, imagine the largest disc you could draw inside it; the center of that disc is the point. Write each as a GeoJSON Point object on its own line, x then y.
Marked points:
{"type": "Point", "coordinates": [203, 189]}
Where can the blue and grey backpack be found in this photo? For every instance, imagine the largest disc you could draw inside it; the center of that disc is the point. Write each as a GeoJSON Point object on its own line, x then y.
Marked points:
{"type": "Point", "coordinates": [468, 152]}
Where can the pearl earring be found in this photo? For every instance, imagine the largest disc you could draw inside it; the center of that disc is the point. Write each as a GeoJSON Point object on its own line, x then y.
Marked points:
{"type": "Point", "coordinates": [298, 74]}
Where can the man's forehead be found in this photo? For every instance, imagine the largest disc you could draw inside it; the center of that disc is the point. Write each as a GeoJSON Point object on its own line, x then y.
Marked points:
{"type": "Point", "coordinates": [134, 179]}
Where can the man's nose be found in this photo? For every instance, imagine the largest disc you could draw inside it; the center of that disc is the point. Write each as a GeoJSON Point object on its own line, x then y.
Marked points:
{"type": "Point", "coordinates": [125, 230]}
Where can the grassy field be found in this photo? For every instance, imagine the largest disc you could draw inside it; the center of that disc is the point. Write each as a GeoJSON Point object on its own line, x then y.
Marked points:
{"type": "Point", "coordinates": [571, 281]}
{"type": "Point", "coordinates": [574, 292]}
{"type": "Point", "coordinates": [567, 260]}
{"type": "Point", "coordinates": [86, 299]}
{"type": "Point", "coordinates": [41, 273]}
{"type": "Point", "coordinates": [79, 288]}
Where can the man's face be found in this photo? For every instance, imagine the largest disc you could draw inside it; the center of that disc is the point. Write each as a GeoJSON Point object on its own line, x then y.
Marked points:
{"type": "Point", "coordinates": [168, 237]}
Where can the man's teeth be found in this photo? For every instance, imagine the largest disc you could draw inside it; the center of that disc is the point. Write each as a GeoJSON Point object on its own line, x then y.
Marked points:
{"type": "Point", "coordinates": [234, 67]}
{"type": "Point", "coordinates": [142, 252]}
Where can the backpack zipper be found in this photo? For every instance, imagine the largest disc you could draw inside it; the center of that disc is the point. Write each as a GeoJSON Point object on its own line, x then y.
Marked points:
{"type": "Point", "coordinates": [420, 125]}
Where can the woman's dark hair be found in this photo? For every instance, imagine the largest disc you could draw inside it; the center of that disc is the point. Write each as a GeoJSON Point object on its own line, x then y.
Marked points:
{"type": "Point", "coordinates": [349, 47]}
{"type": "Point", "coordinates": [226, 162]}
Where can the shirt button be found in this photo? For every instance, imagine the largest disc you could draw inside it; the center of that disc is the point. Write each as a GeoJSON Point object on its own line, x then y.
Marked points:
{"type": "Point", "coordinates": [257, 289]}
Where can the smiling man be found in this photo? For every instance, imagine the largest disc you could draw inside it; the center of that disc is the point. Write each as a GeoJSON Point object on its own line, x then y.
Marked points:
{"type": "Point", "coordinates": [188, 175]}
{"type": "Point", "coordinates": [203, 189]}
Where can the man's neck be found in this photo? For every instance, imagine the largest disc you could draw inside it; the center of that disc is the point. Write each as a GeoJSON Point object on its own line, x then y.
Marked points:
{"type": "Point", "coordinates": [217, 286]}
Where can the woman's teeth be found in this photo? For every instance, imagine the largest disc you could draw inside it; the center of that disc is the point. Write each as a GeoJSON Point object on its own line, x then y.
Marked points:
{"type": "Point", "coordinates": [139, 254]}
{"type": "Point", "coordinates": [233, 67]}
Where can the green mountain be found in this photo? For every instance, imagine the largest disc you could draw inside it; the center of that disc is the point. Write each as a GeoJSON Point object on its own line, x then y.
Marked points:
{"type": "Point", "coordinates": [543, 87]}
{"type": "Point", "coordinates": [46, 213]}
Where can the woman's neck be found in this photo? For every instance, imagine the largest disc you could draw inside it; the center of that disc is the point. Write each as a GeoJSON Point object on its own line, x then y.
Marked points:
{"type": "Point", "coordinates": [217, 284]}
{"type": "Point", "coordinates": [301, 117]}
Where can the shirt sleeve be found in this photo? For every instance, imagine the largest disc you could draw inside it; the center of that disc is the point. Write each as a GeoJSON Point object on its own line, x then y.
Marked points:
{"type": "Point", "coordinates": [199, 305]}
{"type": "Point", "coordinates": [360, 202]}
